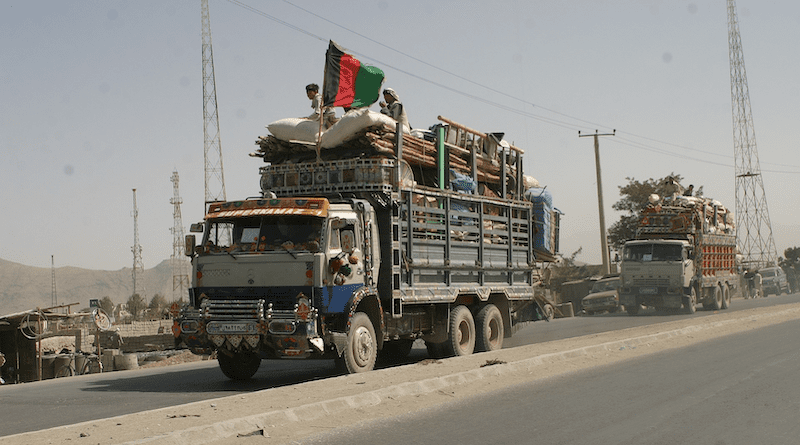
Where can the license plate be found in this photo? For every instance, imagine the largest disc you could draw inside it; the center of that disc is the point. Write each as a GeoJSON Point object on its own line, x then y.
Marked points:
{"type": "Point", "coordinates": [216, 327]}
{"type": "Point", "coordinates": [648, 290]}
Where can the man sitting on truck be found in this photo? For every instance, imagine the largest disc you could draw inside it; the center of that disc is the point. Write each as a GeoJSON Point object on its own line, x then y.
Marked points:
{"type": "Point", "coordinates": [394, 108]}
{"type": "Point", "coordinates": [328, 115]}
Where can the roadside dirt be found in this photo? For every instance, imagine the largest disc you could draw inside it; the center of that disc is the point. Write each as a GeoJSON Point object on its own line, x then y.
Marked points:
{"type": "Point", "coordinates": [285, 414]}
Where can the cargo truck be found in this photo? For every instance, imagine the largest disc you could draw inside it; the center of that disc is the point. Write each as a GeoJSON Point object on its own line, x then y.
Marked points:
{"type": "Point", "coordinates": [684, 253]}
{"type": "Point", "coordinates": [352, 257]}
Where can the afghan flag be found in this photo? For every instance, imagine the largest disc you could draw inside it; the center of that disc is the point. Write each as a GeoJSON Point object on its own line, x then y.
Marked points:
{"type": "Point", "coordinates": [348, 83]}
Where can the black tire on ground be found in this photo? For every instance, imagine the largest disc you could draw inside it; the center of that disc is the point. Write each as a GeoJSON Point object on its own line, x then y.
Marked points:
{"type": "Point", "coordinates": [726, 296]}
{"type": "Point", "coordinates": [690, 301]}
{"type": "Point", "coordinates": [489, 324]}
{"type": "Point", "coordinates": [395, 350]}
{"type": "Point", "coordinates": [239, 366]}
{"type": "Point", "coordinates": [716, 305]}
{"type": "Point", "coordinates": [362, 346]}
{"type": "Point", "coordinates": [461, 336]}
{"type": "Point", "coordinates": [632, 309]}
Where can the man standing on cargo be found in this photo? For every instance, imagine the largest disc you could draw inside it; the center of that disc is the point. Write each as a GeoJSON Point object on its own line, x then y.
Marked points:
{"type": "Point", "coordinates": [329, 115]}
{"type": "Point", "coordinates": [394, 108]}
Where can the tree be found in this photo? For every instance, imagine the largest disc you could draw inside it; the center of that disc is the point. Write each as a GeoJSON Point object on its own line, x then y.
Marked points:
{"type": "Point", "coordinates": [791, 265]}
{"type": "Point", "coordinates": [107, 305]}
{"type": "Point", "coordinates": [635, 197]}
{"type": "Point", "coordinates": [158, 304]}
{"type": "Point", "coordinates": [136, 305]}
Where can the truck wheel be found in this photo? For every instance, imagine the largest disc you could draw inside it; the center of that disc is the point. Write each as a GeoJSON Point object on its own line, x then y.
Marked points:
{"type": "Point", "coordinates": [490, 329]}
{"type": "Point", "coordinates": [718, 299]}
{"type": "Point", "coordinates": [395, 350]}
{"type": "Point", "coordinates": [689, 302]}
{"type": "Point", "coordinates": [461, 338]}
{"type": "Point", "coordinates": [362, 348]}
{"type": "Point", "coordinates": [632, 309]}
{"type": "Point", "coordinates": [239, 366]}
{"type": "Point", "coordinates": [726, 297]}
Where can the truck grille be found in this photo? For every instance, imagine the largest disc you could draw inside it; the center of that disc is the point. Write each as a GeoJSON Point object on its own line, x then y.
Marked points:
{"type": "Point", "coordinates": [234, 309]}
{"type": "Point", "coordinates": [651, 282]}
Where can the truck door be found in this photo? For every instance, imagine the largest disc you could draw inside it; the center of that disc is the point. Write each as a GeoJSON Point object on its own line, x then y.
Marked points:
{"type": "Point", "coordinates": [346, 257]}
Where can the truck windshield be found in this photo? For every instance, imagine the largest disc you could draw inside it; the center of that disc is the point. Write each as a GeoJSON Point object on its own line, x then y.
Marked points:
{"type": "Point", "coordinates": [653, 252]}
{"type": "Point", "coordinates": [264, 234]}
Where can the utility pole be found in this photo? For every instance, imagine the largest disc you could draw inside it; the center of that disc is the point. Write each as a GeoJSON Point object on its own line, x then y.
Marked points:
{"type": "Point", "coordinates": [753, 226]}
{"type": "Point", "coordinates": [603, 234]}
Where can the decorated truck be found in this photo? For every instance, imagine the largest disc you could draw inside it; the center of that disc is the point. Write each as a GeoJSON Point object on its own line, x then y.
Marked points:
{"type": "Point", "coordinates": [684, 253]}
{"type": "Point", "coordinates": [357, 248]}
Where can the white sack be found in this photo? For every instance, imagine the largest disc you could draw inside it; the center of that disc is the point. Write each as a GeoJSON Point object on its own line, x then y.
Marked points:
{"type": "Point", "coordinates": [295, 129]}
{"type": "Point", "coordinates": [353, 122]}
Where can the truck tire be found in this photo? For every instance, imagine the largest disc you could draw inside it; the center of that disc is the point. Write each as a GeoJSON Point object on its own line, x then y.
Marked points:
{"type": "Point", "coordinates": [690, 301]}
{"type": "Point", "coordinates": [632, 309]}
{"type": "Point", "coordinates": [489, 323]}
{"type": "Point", "coordinates": [716, 305]}
{"type": "Point", "coordinates": [461, 336]}
{"type": "Point", "coordinates": [239, 366]}
{"type": "Point", "coordinates": [362, 346]}
{"type": "Point", "coordinates": [726, 296]}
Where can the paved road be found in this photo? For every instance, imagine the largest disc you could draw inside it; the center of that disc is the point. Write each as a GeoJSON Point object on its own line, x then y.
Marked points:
{"type": "Point", "coordinates": [739, 389]}
{"type": "Point", "coordinates": [35, 406]}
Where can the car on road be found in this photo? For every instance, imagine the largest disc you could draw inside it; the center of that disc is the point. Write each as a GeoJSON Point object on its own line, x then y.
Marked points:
{"type": "Point", "coordinates": [773, 281]}
{"type": "Point", "coordinates": [604, 296]}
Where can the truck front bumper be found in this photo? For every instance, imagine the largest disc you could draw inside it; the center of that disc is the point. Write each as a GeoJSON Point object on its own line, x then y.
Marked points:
{"type": "Point", "coordinates": [653, 296]}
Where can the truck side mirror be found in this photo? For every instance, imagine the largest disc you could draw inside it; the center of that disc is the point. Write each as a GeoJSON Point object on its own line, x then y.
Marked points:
{"type": "Point", "coordinates": [196, 228]}
{"type": "Point", "coordinates": [188, 247]}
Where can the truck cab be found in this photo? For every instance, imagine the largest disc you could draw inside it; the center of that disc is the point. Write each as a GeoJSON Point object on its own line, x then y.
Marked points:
{"type": "Point", "coordinates": [271, 278]}
{"type": "Point", "coordinates": [656, 273]}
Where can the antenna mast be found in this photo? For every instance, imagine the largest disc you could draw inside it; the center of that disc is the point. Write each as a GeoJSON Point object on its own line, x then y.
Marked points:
{"type": "Point", "coordinates": [138, 266]}
{"type": "Point", "coordinates": [754, 230]}
{"type": "Point", "coordinates": [214, 176]}
{"type": "Point", "coordinates": [180, 276]}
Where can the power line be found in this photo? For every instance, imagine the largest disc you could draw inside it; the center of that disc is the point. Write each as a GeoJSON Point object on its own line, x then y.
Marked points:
{"type": "Point", "coordinates": [538, 117]}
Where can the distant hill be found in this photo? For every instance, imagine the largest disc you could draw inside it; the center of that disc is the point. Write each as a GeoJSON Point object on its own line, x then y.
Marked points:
{"type": "Point", "coordinates": [27, 287]}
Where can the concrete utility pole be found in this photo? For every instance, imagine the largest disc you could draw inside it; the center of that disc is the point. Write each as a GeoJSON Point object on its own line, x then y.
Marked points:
{"type": "Point", "coordinates": [603, 234]}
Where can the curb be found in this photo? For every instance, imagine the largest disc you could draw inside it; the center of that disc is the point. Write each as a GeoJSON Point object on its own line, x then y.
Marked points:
{"type": "Point", "coordinates": [232, 427]}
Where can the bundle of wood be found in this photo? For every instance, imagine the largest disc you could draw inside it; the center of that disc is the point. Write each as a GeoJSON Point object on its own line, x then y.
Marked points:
{"type": "Point", "coordinates": [379, 141]}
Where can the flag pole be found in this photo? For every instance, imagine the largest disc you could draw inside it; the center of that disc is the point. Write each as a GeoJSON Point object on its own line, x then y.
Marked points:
{"type": "Point", "coordinates": [321, 112]}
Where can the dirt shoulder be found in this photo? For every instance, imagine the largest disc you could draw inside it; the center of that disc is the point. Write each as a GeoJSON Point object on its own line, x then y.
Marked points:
{"type": "Point", "coordinates": [280, 415]}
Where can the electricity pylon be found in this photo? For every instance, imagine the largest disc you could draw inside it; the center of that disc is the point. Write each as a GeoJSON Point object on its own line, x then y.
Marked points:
{"type": "Point", "coordinates": [212, 153]}
{"type": "Point", "coordinates": [753, 227]}
{"type": "Point", "coordinates": [138, 265]}
{"type": "Point", "coordinates": [180, 274]}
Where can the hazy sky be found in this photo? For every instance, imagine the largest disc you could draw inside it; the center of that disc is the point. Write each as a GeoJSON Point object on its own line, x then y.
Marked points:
{"type": "Point", "coordinates": [100, 97]}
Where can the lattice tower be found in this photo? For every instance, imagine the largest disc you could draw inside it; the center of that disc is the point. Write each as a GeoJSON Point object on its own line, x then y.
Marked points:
{"type": "Point", "coordinates": [214, 176]}
{"type": "Point", "coordinates": [138, 265]}
{"type": "Point", "coordinates": [753, 227]}
{"type": "Point", "coordinates": [180, 270]}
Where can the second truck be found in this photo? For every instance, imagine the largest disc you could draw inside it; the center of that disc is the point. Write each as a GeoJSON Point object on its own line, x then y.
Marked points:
{"type": "Point", "coordinates": [684, 253]}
